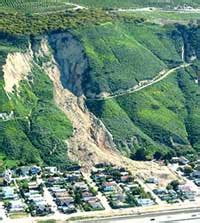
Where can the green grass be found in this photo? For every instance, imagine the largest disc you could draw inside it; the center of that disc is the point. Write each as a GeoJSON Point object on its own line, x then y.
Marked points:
{"type": "Point", "coordinates": [165, 116]}
{"type": "Point", "coordinates": [113, 50]}
{"type": "Point", "coordinates": [18, 215]}
{"type": "Point", "coordinates": [128, 137]}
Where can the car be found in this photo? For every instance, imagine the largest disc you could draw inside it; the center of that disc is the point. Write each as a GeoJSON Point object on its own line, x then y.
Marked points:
{"type": "Point", "coordinates": [152, 219]}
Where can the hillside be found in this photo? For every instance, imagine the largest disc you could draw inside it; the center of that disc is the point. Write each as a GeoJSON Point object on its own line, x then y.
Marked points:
{"type": "Point", "coordinates": [58, 69]}
{"type": "Point", "coordinates": [160, 117]}
{"type": "Point", "coordinates": [35, 131]}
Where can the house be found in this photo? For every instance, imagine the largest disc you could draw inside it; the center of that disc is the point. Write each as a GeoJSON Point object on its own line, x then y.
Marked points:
{"type": "Point", "coordinates": [35, 197]}
{"type": "Point", "coordinates": [8, 176]}
{"type": "Point", "coordinates": [51, 169]}
{"type": "Point", "coordinates": [30, 193]}
{"type": "Point", "coordinates": [73, 177]}
{"type": "Point", "coordinates": [57, 190]}
{"type": "Point", "coordinates": [9, 193]}
{"type": "Point", "coordinates": [129, 187]}
{"type": "Point", "coordinates": [87, 194]}
{"type": "Point", "coordinates": [99, 176]}
{"type": "Point", "coordinates": [95, 204]}
{"type": "Point", "coordinates": [109, 186]}
{"type": "Point", "coordinates": [53, 180]}
{"type": "Point", "coordinates": [28, 170]}
{"type": "Point", "coordinates": [119, 197]}
{"type": "Point", "coordinates": [82, 186]}
{"type": "Point", "coordinates": [42, 210]}
{"type": "Point", "coordinates": [35, 170]}
{"type": "Point", "coordinates": [64, 201]}
{"type": "Point", "coordinates": [73, 168]}
{"type": "Point", "coordinates": [197, 182]}
{"type": "Point", "coordinates": [125, 178]}
{"type": "Point", "coordinates": [61, 194]}
{"type": "Point", "coordinates": [160, 191]}
{"type": "Point", "coordinates": [23, 171]}
{"type": "Point", "coordinates": [152, 180]}
{"type": "Point", "coordinates": [124, 173]}
{"type": "Point", "coordinates": [183, 160]}
{"type": "Point", "coordinates": [69, 209]}
{"type": "Point", "coordinates": [196, 174]}
{"type": "Point", "coordinates": [17, 206]}
{"type": "Point", "coordinates": [32, 186]}
{"type": "Point", "coordinates": [144, 202]}
{"type": "Point", "coordinates": [187, 192]}
{"type": "Point", "coordinates": [175, 159]}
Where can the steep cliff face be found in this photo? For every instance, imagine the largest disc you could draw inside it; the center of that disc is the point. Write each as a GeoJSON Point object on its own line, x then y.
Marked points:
{"type": "Point", "coordinates": [91, 141]}
{"type": "Point", "coordinates": [71, 59]}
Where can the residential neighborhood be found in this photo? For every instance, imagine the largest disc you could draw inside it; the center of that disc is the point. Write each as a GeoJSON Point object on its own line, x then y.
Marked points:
{"type": "Point", "coordinates": [45, 191]}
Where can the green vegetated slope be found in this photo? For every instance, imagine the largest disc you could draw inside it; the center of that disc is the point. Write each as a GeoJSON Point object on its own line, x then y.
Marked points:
{"type": "Point", "coordinates": [36, 132]}
{"type": "Point", "coordinates": [161, 120]}
{"type": "Point", "coordinates": [123, 54]}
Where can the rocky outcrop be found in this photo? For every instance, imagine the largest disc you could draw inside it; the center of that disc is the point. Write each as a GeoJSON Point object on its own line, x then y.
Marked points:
{"type": "Point", "coordinates": [71, 60]}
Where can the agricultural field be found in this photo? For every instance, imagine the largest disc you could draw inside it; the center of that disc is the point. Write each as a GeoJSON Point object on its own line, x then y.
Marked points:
{"type": "Point", "coordinates": [44, 6]}
{"type": "Point", "coordinates": [35, 6]}
{"type": "Point", "coordinates": [135, 3]}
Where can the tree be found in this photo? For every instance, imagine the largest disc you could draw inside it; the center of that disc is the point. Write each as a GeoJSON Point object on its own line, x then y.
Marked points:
{"type": "Point", "coordinates": [187, 170]}
{"type": "Point", "coordinates": [158, 155]}
{"type": "Point", "coordinates": [77, 197]}
{"type": "Point", "coordinates": [174, 185]}
{"type": "Point", "coordinates": [140, 155]}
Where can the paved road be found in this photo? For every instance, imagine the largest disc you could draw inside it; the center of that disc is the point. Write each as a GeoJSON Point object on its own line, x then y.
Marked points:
{"type": "Point", "coordinates": [190, 216]}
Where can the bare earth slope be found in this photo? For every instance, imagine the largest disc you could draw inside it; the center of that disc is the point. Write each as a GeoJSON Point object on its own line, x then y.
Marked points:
{"type": "Point", "coordinates": [91, 142]}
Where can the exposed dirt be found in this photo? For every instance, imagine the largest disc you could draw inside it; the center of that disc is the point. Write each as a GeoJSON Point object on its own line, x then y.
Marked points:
{"type": "Point", "coordinates": [17, 67]}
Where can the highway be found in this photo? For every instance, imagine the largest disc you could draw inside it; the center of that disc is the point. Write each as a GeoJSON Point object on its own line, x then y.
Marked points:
{"type": "Point", "coordinates": [185, 216]}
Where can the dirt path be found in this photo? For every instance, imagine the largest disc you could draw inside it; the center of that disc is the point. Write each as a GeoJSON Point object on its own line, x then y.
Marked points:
{"type": "Point", "coordinates": [143, 84]}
